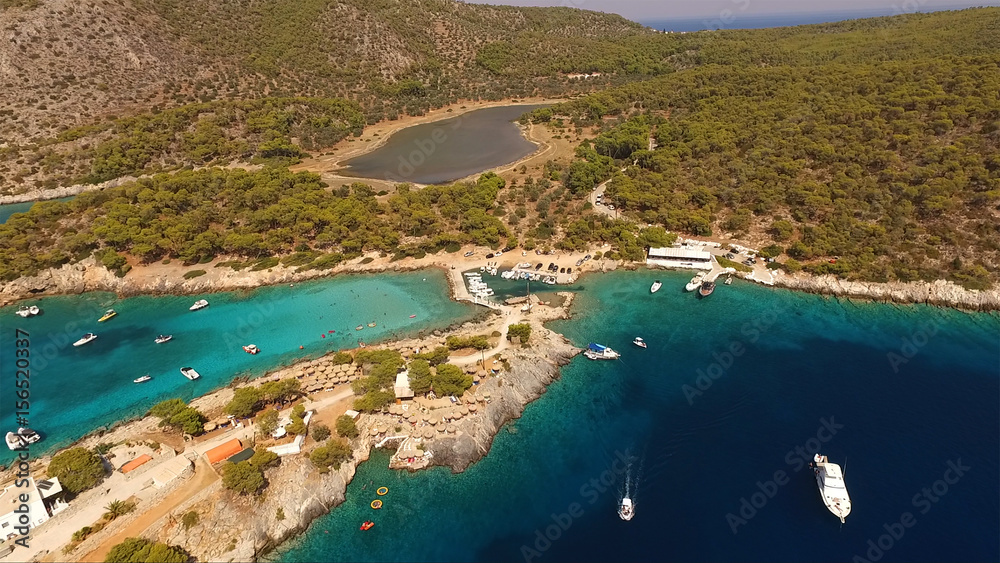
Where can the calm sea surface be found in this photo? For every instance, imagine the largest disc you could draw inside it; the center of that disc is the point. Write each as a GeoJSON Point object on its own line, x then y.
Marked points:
{"type": "Point", "coordinates": [898, 394]}
{"type": "Point", "coordinates": [76, 389]}
{"type": "Point", "coordinates": [449, 149]}
{"type": "Point", "coordinates": [11, 208]}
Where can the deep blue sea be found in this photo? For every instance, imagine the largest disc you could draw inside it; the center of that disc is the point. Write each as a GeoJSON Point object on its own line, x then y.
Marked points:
{"type": "Point", "coordinates": [741, 14]}
{"type": "Point", "coordinates": [897, 395]}
{"type": "Point", "coordinates": [74, 390]}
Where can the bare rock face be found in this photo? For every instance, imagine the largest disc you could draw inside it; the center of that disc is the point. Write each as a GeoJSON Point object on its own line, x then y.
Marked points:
{"type": "Point", "coordinates": [940, 292]}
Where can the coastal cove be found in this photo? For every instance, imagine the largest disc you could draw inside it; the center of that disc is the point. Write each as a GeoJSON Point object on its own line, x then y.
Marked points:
{"type": "Point", "coordinates": [75, 390]}
{"type": "Point", "coordinates": [696, 446]}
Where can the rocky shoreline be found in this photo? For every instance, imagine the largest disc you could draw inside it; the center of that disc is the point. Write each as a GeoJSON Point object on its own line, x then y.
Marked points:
{"type": "Point", "coordinates": [940, 293]}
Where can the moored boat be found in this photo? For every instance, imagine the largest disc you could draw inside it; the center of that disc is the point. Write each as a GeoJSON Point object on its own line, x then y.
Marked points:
{"type": "Point", "coordinates": [163, 338]}
{"type": "Point", "coordinates": [14, 442]}
{"type": "Point", "coordinates": [832, 487]}
{"type": "Point", "coordinates": [706, 289]}
{"type": "Point", "coordinates": [655, 287]}
{"type": "Point", "coordinates": [34, 310]}
{"type": "Point", "coordinates": [695, 282]}
{"type": "Point", "coordinates": [199, 304]}
{"type": "Point", "coordinates": [107, 315]}
{"type": "Point", "coordinates": [251, 349]}
{"type": "Point", "coordinates": [371, 324]}
{"type": "Point", "coordinates": [89, 337]}
{"type": "Point", "coordinates": [190, 373]}
{"type": "Point", "coordinates": [600, 352]}
{"type": "Point", "coordinates": [142, 379]}
{"type": "Point", "coordinates": [639, 342]}
{"type": "Point", "coordinates": [359, 327]}
{"type": "Point", "coordinates": [626, 510]}
{"type": "Point", "coordinates": [23, 312]}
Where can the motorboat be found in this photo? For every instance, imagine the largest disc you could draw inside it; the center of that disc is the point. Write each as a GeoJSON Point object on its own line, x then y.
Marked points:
{"type": "Point", "coordinates": [251, 349]}
{"type": "Point", "coordinates": [695, 282]}
{"type": "Point", "coordinates": [600, 352]}
{"type": "Point", "coordinates": [23, 312]}
{"type": "Point", "coordinates": [107, 315]}
{"type": "Point", "coordinates": [163, 338]}
{"type": "Point", "coordinates": [142, 379]}
{"type": "Point", "coordinates": [639, 342]}
{"type": "Point", "coordinates": [190, 373]}
{"type": "Point", "coordinates": [655, 287]}
{"type": "Point", "coordinates": [34, 310]}
{"type": "Point", "coordinates": [706, 289]}
{"type": "Point", "coordinates": [371, 324]}
{"type": "Point", "coordinates": [359, 327]}
{"type": "Point", "coordinates": [832, 488]}
{"type": "Point", "coordinates": [15, 442]}
{"type": "Point", "coordinates": [89, 337]}
{"type": "Point", "coordinates": [626, 511]}
{"type": "Point", "coordinates": [22, 438]}
{"type": "Point", "coordinates": [199, 304]}
{"type": "Point", "coordinates": [729, 280]}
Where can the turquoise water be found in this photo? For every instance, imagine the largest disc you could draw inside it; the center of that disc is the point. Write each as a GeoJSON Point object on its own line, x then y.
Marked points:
{"type": "Point", "coordinates": [448, 149]}
{"type": "Point", "coordinates": [805, 361]}
{"type": "Point", "coordinates": [76, 389]}
{"type": "Point", "coordinates": [11, 208]}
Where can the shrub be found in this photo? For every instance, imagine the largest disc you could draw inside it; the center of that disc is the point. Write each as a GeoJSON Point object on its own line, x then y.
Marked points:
{"type": "Point", "coordinates": [346, 428]}
{"type": "Point", "coordinates": [194, 274]}
{"type": "Point", "coordinates": [342, 358]}
{"type": "Point", "coordinates": [242, 477]}
{"type": "Point", "coordinates": [262, 459]}
{"type": "Point", "coordinates": [245, 402]}
{"type": "Point", "coordinates": [267, 422]}
{"type": "Point", "coordinates": [279, 515]}
{"type": "Point", "coordinates": [138, 550]}
{"type": "Point", "coordinates": [189, 520]}
{"type": "Point", "coordinates": [332, 454]}
{"type": "Point", "coordinates": [450, 380]}
{"type": "Point", "coordinates": [321, 432]}
{"type": "Point", "coordinates": [522, 330]}
{"type": "Point", "coordinates": [77, 469]}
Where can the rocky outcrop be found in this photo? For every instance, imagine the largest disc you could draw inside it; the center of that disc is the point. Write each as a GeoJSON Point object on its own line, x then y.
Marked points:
{"type": "Point", "coordinates": [939, 292]}
{"type": "Point", "coordinates": [65, 191]}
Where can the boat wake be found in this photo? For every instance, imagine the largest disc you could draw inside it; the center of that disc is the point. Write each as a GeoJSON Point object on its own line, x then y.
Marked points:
{"type": "Point", "coordinates": [628, 493]}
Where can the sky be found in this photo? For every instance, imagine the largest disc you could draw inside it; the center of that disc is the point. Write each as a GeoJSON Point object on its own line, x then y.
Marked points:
{"type": "Point", "coordinates": [639, 10]}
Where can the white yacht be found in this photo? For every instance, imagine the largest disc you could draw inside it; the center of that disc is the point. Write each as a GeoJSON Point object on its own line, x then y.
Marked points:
{"type": "Point", "coordinates": [832, 488]}
{"type": "Point", "coordinates": [199, 304]}
{"type": "Point", "coordinates": [34, 310]}
{"type": "Point", "coordinates": [639, 342]}
{"type": "Point", "coordinates": [600, 352]}
{"type": "Point", "coordinates": [142, 379]}
{"type": "Point", "coordinates": [89, 337]}
{"type": "Point", "coordinates": [190, 373]}
{"type": "Point", "coordinates": [163, 338]}
{"type": "Point", "coordinates": [14, 442]}
{"type": "Point", "coordinates": [655, 287]}
{"type": "Point", "coordinates": [626, 511]}
{"type": "Point", "coordinates": [695, 282]}
{"type": "Point", "coordinates": [21, 438]}
{"type": "Point", "coordinates": [23, 312]}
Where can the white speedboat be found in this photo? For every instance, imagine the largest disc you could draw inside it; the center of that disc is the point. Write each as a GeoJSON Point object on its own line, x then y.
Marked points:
{"type": "Point", "coordinates": [626, 511]}
{"type": "Point", "coordinates": [34, 310]}
{"type": "Point", "coordinates": [190, 373]}
{"type": "Point", "coordinates": [163, 338]}
{"type": "Point", "coordinates": [29, 435]}
{"type": "Point", "coordinates": [23, 312]}
{"type": "Point", "coordinates": [832, 488]}
{"type": "Point", "coordinates": [600, 352]}
{"type": "Point", "coordinates": [695, 282]}
{"type": "Point", "coordinates": [142, 379]}
{"type": "Point", "coordinates": [251, 349]}
{"type": "Point", "coordinates": [14, 442]}
{"type": "Point", "coordinates": [199, 304]}
{"type": "Point", "coordinates": [89, 337]}
{"type": "Point", "coordinates": [655, 287]}
{"type": "Point", "coordinates": [639, 342]}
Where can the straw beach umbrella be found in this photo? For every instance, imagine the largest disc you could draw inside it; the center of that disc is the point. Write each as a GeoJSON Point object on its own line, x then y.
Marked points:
{"type": "Point", "coordinates": [374, 431]}
{"type": "Point", "coordinates": [451, 429]}
{"type": "Point", "coordinates": [473, 407]}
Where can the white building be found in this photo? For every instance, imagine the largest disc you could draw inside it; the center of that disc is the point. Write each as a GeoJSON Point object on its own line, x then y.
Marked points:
{"type": "Point", "coordinates": [37, 502]}
{"type": "Point", "coordinates": [402, 387]}
{"type": "Point", "coordinates": [679, 258]}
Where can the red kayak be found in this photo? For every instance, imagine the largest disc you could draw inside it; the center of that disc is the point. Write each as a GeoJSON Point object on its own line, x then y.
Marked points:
{"type": "Point", "coordinates": [367, 525]}
{"type": "Point", "coordinates": [413, 316]}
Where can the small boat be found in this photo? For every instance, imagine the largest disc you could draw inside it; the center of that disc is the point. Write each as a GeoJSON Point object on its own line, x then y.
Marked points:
{"type": "Point", "coordinates": [729, 280]}
{"type": "Point", "coordinates": [34, 310]}
{"type": "Point", "coordinates": [367, 525]}
{"type": "Point", "coordinates": [142, 379]}
{"type": "Point", "coordinates": [655, 287]}
{"type": "Point", "coordinates": [163, 338]}
{"type": "Point", "coordinates": [251, 349]}
{"type": "Point", "coordinates": [413, 316]}
{"type": "Point", "coordinates": [359, 327]}
{"type": "Point", "coordinates": [706, 289]}
{"type": "Point", "coordinates": [107, 315]}
{"type": "Point", "coordinates": [600, 352]}
{"type": "Point", "coordinates": [832, 488]}
{"type": "Point", "coordinates": [371, 324]}
{"type": "Point", "coordinates": [23, 312]}
{"type": "Point", "coordinates": [190, 373]}
{"type": "Point", "coordinates": [626, 511]}
{"type": "Point", "coordinates": [639, 342]}
{"type": "Point", "coordinates": [695, 282]}
{"type": "Point", "coordinates": [90, 336]}
{"type": "Point", "coordinates": [199, 304]}
{"type": "Point", "coordinates": [15, 442]}
{"type": "Point", "coordinates": [29, 435]}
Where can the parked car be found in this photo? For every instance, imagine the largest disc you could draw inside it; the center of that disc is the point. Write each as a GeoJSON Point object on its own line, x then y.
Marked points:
{"type": "Point", "coordinates": [579, 262]}
{"type": "Point", "coordinates": [539, 266]}
{"type": "Point", "coordinates": [470, 253]}
{"type": "Point", "coordinates": [730, 256]}
{"type": "Point", "coordinates": [562, 270]}
{"type": "Point", "coordinates": [498, 253]}
{"type": "Point", "coordinates": [587, 257]}
{"type": "Point", "coordinates": [611, 207]}
{"type": "Point", "coordinates": [538, 251]}
{"type": "Point", "coordinates": [490, 255]}
{"type": "Point", "coordinates": [569, 270]}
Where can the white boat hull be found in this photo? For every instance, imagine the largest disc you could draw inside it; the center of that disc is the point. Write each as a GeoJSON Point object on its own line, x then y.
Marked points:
{"type": "Point", "coordinates": [832, 488]}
